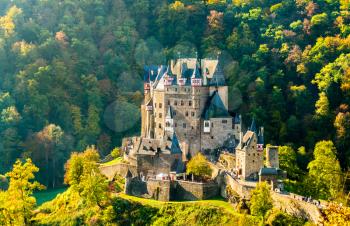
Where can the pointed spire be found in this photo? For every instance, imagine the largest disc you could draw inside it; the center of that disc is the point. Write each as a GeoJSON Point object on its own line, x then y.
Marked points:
{"type": "Point", "coordinates": [175, 146]}
{"type": "Point", "coordinates": [170, 113]}
{"type": "Point", "coordinates": [253, 126]}
{"type": "Point", "coordinates": [261, 135]}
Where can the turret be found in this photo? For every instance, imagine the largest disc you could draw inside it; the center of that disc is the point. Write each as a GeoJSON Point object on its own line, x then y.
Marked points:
{"type": "Point", "coordinates": [260, 144]}
{"type": "Point", "coordinates": [196, 79]}
{"type": "Point", "coordinates": [169, 120]}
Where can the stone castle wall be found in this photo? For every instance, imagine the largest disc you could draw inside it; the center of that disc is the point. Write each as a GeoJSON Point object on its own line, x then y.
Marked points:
{"type": "Point", "coordinates": [120, 169]}
{"type": "Point", "coordinates": [166, 190]}
{"type": "Point", "coordinates": [150, 165]}
{"type": "Point", "coordinates": [159, 189]}
{"type": "Point", "coordinates": [219, 133]}
{"type": "Point", "coordinates": [186, 190]}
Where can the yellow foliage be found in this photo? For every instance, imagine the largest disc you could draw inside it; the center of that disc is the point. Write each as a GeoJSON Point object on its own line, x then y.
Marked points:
{"type": "Point", "coordinates": [22, 47]}
{"type": "Point", "coordinates": [6, 22]}
{"type": "Point", "coordinates": [177, 5]}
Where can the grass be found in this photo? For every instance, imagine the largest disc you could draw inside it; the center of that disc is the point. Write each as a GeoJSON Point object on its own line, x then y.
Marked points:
{"type": "Point", "coordinates": [113, 162]}
{"type": "Point", "coordinates": [220, 203]}
{"type": "Point", "coordinates": [47, 195]}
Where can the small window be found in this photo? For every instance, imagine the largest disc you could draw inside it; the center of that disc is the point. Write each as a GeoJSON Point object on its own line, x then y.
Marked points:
{"type": "Point", "coordinates": [160, 105]}
{"type": "Point", "coordinates": [155, 105]}
{"type": "Point", "coordinates": [167, 124]}
{"type": "Point", "coordinates": [224, 121]}
{"type": "Point", "coordinates": [175, 102]}
{"type": "Point", "coordinates": [186, 113]}
{"type": "Point", "coordinates": [174, 112]}
{"type": "Point", "coordinates": [160, 126]}
{"type": "Point", "coordinates": [184, 125]}
{"type": "Point", "coordinates": [160, 115]}
{"type": "Point", "coordinates": [175, 89]}
{"type": "Point", "coordinates": [192, 114]}
{"type": "Point", "coordinates": [167, 89]}
{"type": "Point", "coordinates": [190, 103]}
{"type": "Point", "coordinates": [206, 124]}
{"type": "Point", "coordinates": [182, 103]}
{"type": "Point", "coordinates": [253, 161]}
{"type": "Point", "coordinates": [212, 137]}
{"type": "Point", "coordinates": [168, 102]}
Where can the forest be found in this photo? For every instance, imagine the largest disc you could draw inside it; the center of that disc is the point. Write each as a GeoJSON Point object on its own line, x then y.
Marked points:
{"type": "Point", "coordinates": [71, 75]}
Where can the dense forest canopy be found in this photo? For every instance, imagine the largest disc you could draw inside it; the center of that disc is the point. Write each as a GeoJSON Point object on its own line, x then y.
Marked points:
{"type": "Point", "coordinates": [70, 71]}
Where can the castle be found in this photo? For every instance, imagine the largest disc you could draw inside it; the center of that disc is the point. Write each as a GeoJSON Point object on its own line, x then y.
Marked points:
{"type": "Point", "coordinates": [185, 111]}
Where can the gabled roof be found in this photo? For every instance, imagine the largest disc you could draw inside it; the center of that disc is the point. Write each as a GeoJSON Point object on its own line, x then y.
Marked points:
{"type": "Point", "coordinates": [247, 138]}
{"type": "Point", "coordinates": [218, 78]}
{"type": "Point", "coordinates": [215, 108]}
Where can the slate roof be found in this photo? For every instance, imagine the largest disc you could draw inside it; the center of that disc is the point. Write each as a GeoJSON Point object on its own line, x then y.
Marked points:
{"type": "Point", "coordinates": [175, 146]}
{"type": "Point", "coordinates": [196, 73]}
{"type": "Point", "coordinates": [218, 78]}
{"type": "Point", "coordinates": [237, 119]}
{"type": "Point", "coordinates": [261, 136]}
{"type": "Point", "coordinates": [215, 108]}
{"type": "Point", "coordinates": [253, 125]}
{"type": "Point", "coordinates": [268, 171]}
{"type": "Point", "coordinates": [150, 73]}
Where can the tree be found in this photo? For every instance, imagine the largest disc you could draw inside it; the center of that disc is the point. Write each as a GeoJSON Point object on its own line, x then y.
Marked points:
{"type": "Point", "coordinates": [115, 153]}
{"type": "Point", "coordinates": [288, 161]}
{"type": "Point", "coordinates": [84, 177]}
{"type": "Point", "coordinates": [19, 201]}
{"type": "Point", "coordinates": [325, 171]}
{"type": "Point", "coordinates": [199, 166]}
{"type": "Point", "coordinates": [261, 201]}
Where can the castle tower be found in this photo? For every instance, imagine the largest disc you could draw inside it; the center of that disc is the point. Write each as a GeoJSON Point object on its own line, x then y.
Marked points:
{"type": "Point", "coordinates": [237, 126]}
{"type": "Point", "coordinates": [249, 159]}
{"type": "Point", "coordinates": [272, 157]}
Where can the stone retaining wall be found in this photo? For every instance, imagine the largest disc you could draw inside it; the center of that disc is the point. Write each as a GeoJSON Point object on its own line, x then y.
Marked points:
{"type": "Point", "coordinates": [186, 190]}
{"type": "Point", "coordinates": [120, 169]}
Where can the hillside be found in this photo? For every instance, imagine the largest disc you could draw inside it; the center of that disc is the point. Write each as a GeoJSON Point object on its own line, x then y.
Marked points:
{"type": "Point", "coordinates": [72, 70]}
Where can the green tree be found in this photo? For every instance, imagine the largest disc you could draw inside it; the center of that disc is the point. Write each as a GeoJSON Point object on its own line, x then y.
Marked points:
{"type": "Point", "coordinates": [325, 171]}
{"type": "Point", "coordinates": [261, 201]}
{"type": "Point", "coordinates": [199, 166]}
{"type": "Point", "coordinates": [84, 177]}
{"type": "Point", "coordinates": [288, 161]}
